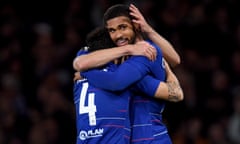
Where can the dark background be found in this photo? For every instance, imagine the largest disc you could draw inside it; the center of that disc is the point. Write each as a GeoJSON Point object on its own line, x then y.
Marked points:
{"type": "Point", "coordinates": [39, 40]}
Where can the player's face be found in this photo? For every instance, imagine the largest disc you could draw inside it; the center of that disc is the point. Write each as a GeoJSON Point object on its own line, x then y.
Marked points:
{"type": "Point", "coordinates": [121, 30]}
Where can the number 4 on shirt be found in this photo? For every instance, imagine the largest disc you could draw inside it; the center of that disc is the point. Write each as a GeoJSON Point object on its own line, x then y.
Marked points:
{"type": "Point", "coordinates": [91, 107]}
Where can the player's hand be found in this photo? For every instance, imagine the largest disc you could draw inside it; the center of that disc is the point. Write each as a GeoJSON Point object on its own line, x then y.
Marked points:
{"type": "Point", "coordinates": [139, 20]}
{"type": "Point", "coordinates": [77, 76]}
{"type": "Point", "coordinates": [145, 49]}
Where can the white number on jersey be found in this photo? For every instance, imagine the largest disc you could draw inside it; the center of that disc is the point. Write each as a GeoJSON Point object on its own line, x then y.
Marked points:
{"type": "Point", "coordinates": [91, 107]}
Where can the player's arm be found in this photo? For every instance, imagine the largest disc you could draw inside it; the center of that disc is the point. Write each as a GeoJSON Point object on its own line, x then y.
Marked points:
{"type": "Point", "coordinates": [125, 75]}
{"type": "Point", "coordinates": [132, 70]}
{"type": "Point", "coordinates": [169, 90]}
{"type": "Point", "coordinates": [101, 57]}
{"type": "Point", "coordinates": [168, 50]}
{"type": "Point", "coordinates": [174, 90]}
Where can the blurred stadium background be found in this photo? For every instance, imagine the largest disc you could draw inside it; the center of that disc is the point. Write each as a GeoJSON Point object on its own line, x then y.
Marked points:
{"type": "Point", "coordinates": [39, 39]}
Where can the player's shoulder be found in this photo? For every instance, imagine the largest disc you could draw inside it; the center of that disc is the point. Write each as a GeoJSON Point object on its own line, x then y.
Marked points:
{"type": "Point", "coordinates": [152, 43]}
{"type": "Point", "coordinates": [159, 50]}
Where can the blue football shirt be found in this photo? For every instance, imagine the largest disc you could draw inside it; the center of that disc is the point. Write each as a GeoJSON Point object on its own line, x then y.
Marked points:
{"type": "Point", "coordinates": [102, 117]}
{"type": "Point", "coordinates": [146, 112]}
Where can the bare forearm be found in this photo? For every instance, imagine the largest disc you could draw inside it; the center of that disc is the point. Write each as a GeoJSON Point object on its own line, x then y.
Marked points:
{"type": "Point", "coordinates": [101, 57]}
{"type": "Point", "coordinates": [98, 58]}
{"type": "Point", "coordinates": [170, 90]}
{"type": "Point", "coordinates": [175, 92]}
{"type": "Point", "coordinates": [168, 50]}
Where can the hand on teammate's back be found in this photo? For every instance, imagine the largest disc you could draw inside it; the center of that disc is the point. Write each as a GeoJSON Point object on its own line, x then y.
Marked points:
{"type": "Point", "coordinates": [144, 48]}
{"type": "Point", "coordinates": [77, 76]}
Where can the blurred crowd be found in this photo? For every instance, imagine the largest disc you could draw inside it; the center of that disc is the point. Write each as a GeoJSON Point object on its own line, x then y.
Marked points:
{"type": "Point", "coordinates": [39, 40]}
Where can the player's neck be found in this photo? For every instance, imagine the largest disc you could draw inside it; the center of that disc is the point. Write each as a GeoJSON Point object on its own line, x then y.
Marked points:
{"type": "Point", "coordinates": [138, 38]}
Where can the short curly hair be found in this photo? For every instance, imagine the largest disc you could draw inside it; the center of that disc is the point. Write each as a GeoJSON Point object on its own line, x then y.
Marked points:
{"type": "Point", "coordinates": [99, 39]}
